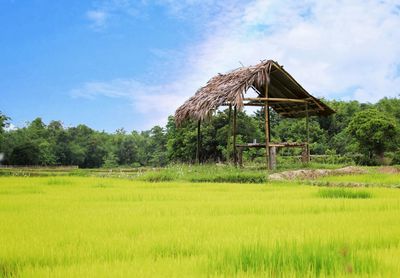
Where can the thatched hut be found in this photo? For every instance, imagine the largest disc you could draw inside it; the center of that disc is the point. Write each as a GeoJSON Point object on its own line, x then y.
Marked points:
{"type": "Point", "coordinates": [275, 88]}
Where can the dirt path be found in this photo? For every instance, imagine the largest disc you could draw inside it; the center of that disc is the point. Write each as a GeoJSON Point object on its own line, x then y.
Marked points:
{"type": "Point", "coordinates": [313, 174]}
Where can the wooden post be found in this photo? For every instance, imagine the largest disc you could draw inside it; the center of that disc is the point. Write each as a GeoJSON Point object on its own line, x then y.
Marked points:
{"type": "Point", "coordinates": [308, 135]}
{"type": "Point", "coordinates": [272, 158]}
{"type": "Point", "coordinates": [240, 154]}
{"type": "Point", "coordinates": [266, 112]}
{"type": "Point", "coordinates": [234, 135]}
{"type": "Point", "coordinates": [228, 144]}
{"type": "Point", "coordinates": [269, 127]}
{"type": "Point", "coordinates": [198, 143]}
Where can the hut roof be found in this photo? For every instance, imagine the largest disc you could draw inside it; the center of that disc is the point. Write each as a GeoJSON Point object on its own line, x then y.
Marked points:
{"type": "Point", "coordinates": [230, 88]}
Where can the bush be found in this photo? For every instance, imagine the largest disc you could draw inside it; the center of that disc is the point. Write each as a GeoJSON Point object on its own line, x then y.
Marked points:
{"type": "Point", "coordinates": [396, 158]}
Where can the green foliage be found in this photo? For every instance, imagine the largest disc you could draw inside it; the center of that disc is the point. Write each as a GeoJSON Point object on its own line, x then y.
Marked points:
{"type": "Point", "coordinates": [3, 121]}
{"type": "Point", "coordinates": [46, 153]}
{"type": "Point", "coordinates": [357, 132]}
{"type": "Point", "coordinates": [396, 157]}
{"type": "Point", "coordinates": [182, 141]}
{"type": "Point", "coordinates": [375, 133]}
{"type": "Point", "coordinates": [27, 153]}
{"type": "Point", "coordinates": [390, 106]}
{"type": "Point", "coordinates": [110, 161]}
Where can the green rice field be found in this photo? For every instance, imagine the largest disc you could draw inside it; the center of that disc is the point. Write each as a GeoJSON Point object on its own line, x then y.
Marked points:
{"type": "Point", "coordinates": [70, 226]}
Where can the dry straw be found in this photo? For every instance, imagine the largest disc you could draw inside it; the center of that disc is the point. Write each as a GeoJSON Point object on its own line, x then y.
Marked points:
{"type": "Point", "coordinates": [230, 88]}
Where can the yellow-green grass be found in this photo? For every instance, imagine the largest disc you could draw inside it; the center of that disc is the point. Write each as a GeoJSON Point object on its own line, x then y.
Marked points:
{"type": "Point", "coordinates": [372, 179]}
{"type": "Point", "coordinates": [97, 227]}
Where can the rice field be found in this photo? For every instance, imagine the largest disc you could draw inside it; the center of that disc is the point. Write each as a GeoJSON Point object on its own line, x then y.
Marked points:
{"type": "Point", "coordinates": [107, 227]}
{"type": "Point", "coordinates": [370, 179]}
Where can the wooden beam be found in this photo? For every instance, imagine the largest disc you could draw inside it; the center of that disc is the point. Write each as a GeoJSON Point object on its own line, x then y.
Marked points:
{"type": "Point", "coordinates": [277, 145]}
{"type": "Point", "coordinates": [277, 99]}
{"type": "Point", "coordinates": [283, 88]}
{"type": "Point", "coordinates": [298, 112]}
{"type": "Point", "coordinates": [254, 104]}
{"type": "Point", "coordinates": [287, 90]}
{"type": "Point", "coordinates": [319, 105]}
{"type": "Point", "coordinates": [256, 90]}
{"type": "Point", "coordinates": [295, 82]}
{"type": "Point", "coordinates": [282, 93]}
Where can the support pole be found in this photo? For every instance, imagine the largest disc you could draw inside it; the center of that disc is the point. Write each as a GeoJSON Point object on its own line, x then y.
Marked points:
{"type": "Point", "coordinates": [272, 157]}
{"type": "Point", "coordinates": [240, 157]}
{"type": "Point", "coordinates": [308, 134]}
{"type": "Point", "coordinates": [228, 144]}
{"type": "Point", "coordinates": [234, 135]}
{"type": "Point", "coordinates": [269, 126]}
{"type": "Point", "coordinates": [266, 112]}
{"type": "Point", "coordinates": [198, 143]}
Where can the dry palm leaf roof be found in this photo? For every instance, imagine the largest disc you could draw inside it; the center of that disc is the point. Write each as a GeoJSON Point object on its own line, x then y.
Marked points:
{"type": "Point", "coordinates": [229, 88]}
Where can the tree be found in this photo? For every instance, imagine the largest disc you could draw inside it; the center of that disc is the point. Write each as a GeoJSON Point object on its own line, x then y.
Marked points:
{"type": "Point", "coordinates": [127, 150]}
{"type": "Point", "coordinates": [158, 143]}
{"type": "Point", "coordinates": [27, 153]}
{"type": "Point", "coordinates": [110, 160]}
{"type": "Point", "coordinates": [181, 145]}
{"type": "Point", "coordinates": [3, 122]}
{"type": "Point", "coordinates": [390, 106]}
{"type": "Point", "coordinates": [375, 133]}
{"type": "Point", "coordinates": [46, 154]}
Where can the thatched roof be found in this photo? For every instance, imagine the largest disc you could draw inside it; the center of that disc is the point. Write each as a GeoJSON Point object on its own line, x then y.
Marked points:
{"type": "Point", "coordinates": [230, 88]}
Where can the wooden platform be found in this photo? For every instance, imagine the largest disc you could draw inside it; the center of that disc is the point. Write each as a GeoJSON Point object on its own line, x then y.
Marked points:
{"type": "Point", "coordinates": [273, 147]}
{"type": "Point", "coordinates": [276, 145]}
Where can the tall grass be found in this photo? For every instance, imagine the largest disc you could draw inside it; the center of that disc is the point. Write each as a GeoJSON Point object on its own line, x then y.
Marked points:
{"type": "Point", "coordinates": [205, 173]}
{"type": "Point", "coordinates": [106, 227]}
{"type": "Point", "coordinates": [305, 260]}
{"type": "Point", "coordinates": [369, 179]}
{"type": "Point", "coordinates": [344, 193]}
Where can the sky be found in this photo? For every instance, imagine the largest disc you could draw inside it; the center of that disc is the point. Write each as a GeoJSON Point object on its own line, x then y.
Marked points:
{"type": "Point", "coordinates": [129, 64]}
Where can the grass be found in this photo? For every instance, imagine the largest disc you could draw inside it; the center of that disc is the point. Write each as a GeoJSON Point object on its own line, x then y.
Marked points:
{"type": "Point", "coordinates": [206, 173]}
{"type": "Point", "coordinates": [108, 227]}
{"type": "Point", "coordinates": [252, 173]}
{"type": "Point", "coordinates": [307, 259]}
{"type": "Point", "coordinates": [344, 193]}
{"type": "Point", "coordinates": [370, 179]}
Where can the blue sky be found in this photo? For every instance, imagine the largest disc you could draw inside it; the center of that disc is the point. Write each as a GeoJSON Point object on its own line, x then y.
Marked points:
{"type": "Point", "coordinates": [121, 63]}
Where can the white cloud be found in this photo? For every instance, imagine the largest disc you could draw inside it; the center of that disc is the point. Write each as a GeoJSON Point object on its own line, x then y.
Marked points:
{"type": "Point", "coordinates": [155, 102]}
{"type": "Point", "coordinates": [330, 47]}
{"type": "Point", "coordinates": [335, 49]}
{"type": "Point", "coordinates": [98, 18]}
{"type": "Point", "coordinates": [10, 127]}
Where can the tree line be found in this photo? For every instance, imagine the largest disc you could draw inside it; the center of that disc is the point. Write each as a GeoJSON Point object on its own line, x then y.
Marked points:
{"type": "Point", "coordinates": [369, 130]}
